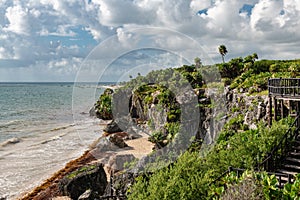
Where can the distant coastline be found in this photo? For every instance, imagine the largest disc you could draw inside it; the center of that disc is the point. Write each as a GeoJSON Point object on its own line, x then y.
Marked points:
{"type": "Point", "coordinates": [59, 82]}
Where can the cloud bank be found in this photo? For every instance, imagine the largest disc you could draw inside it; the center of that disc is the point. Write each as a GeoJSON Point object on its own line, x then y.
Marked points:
{"type": "Point", "coordinates": [47, 40]}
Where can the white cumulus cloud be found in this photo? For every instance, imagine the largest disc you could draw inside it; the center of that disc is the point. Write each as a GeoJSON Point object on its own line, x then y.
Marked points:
{"type": "Point", "coordinates": [52, 34]}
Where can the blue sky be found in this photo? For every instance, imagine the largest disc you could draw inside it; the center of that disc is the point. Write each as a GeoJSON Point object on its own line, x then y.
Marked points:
{"type": "Point", "coordinates": [48, 40]}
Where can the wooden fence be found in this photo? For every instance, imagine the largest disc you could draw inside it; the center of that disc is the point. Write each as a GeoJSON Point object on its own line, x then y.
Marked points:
{"type": "Point", "coordinates": [284, 86]}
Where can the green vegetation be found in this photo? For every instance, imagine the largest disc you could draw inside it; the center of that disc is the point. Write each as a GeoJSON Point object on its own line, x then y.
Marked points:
{"type": "Point", "coordinates": [158, 89]}
{"type": "Point", "coordinates": [103, 106]}
{"type": "Point", "coordinates": [190, 177]}
{"type": "Point", "coordinates": [223, 51]}
{"type": "Point", "coordinates": [81, 170]}
{"type": "Point", "coordinates": [254, 185]}
{"type": "Point", "coordinates": [252, 76]}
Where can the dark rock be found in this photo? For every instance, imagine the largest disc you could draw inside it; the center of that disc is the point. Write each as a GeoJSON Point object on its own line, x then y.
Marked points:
{"type": "Point", "coordinates": [10, 141]}
{"type": "Point", "coordinates": [118, 141]}
{"type": "Point", "coordinates": [262, 111]}
{"type": "Point", "coordinates": [112, 127]}
{"type": "Point", "coordinates": [138, 108]}
{"type": "Point", "coordinates": [121, 184]}
{"type": "Point", "coordinates": [91, 177]}
{"type": "Point", "coordinates": [92, 112]}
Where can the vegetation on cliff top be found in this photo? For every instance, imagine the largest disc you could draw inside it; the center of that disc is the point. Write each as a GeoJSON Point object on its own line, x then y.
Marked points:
{"type": "Point", "coordinates": [191, 175]}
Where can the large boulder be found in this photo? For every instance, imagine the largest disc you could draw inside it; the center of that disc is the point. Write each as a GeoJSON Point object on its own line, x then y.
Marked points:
{"type": "Point", "coordinates": [117, 162]}
{"type": "Point", "coordinates": [112, 127]}
{"type": "Point", "coordinates": [121, 183]}
{"type": "Point", "coordinates": [118, 141]}
{"type": "Point", "coordinates": [89, 177]}
{"type": "Point", "coordinates": [158, 116]}
{"type": "Point", "coordinates": [121, 103]}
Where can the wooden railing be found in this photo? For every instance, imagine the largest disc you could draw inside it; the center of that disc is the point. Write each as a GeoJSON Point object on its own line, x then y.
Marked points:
{"type": "Point", "coordinates": [280, 176]}
{"type": "Point", "coordinates": [272, 160]}
{"type": "Point", "coordinates": [284, 86]}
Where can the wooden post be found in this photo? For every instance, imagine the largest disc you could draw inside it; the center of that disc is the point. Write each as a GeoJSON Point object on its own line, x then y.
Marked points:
{"type": "Point", "coordinates": [270, 111]}
{"type": "Point", "coordinates": [282, 110]}
{"type": "Point", "coordinates": [298, 112]}
{"type": "Point", "coordinates": [275, 109]}
{"type": "Point", "coordinates": [289, 106]}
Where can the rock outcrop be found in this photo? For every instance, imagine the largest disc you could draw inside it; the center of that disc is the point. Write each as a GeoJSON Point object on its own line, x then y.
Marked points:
{"type": "Point", "coordinates": [102, 108]}
{"type": "Point", "coordinates": [89, 177]}
{"type": "Point", "coordinates": [112, 127]}
{"type": "Point", "coordinates": [117, 140]}
{"type": "Point", "coordinates": [254, 107]}
{"type": "Point", "coordinates": [117, 162]}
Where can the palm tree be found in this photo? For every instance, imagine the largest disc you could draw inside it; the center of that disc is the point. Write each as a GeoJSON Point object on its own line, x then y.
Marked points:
{"type": "Point", "coordinates": [223, 51]}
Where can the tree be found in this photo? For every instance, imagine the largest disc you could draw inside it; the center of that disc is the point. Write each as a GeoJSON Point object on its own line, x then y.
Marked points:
{"type": "Point", "coordinates": [251, 58]}
{"type": "Point", "coordinates": [198, 62]}
{"type": "Point", "coordinates": [254, 56]}
{"type": "Point", "coordinates": [223, 51]}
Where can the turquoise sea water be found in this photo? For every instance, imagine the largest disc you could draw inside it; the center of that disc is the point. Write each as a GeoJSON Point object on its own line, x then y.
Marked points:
{"type": "Point", "coordinates": [24, 105]}
{"type": "Point", "coordinates": [42, 126]}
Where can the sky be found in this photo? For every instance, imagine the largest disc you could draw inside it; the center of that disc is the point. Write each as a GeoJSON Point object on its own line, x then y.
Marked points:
{"type": "Point", "coordinates": [54, 40]}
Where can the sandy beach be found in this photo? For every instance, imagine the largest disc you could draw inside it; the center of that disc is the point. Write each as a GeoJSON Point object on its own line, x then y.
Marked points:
{"type": "Point", "coordinates": [138, 147]}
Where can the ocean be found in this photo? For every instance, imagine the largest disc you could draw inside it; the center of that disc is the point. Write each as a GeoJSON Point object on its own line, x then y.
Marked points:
{"type": "Point", "coordinates": [42, 127]}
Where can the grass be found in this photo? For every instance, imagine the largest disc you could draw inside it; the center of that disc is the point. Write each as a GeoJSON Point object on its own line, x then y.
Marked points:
{"type": "Point", "coordinates": [81, 170]}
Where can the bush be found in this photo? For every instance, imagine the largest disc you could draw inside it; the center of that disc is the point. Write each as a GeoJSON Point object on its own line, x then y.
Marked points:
{"type": "Point", "coordinates": [189, 177]}
{"type": "Point", "coordinates": [103, 106]}
{"type": "Point", "coordinates": [257, 185]}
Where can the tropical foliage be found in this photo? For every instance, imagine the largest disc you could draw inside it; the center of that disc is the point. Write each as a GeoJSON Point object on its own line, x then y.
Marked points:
{"type": "Point", "coordinates": [191, 176]}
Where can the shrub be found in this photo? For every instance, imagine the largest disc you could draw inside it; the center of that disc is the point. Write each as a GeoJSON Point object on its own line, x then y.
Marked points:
{"type": "Point", "coordinates": [189, 177]}
{"type": "Point", "coordinates": [103, 106]}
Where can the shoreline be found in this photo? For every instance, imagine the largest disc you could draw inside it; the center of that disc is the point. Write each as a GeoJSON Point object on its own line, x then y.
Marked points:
{"type": "Point", "coordinates": [50, 185]}
{"type": "Point", "coordinates": [48, 189]}
{"type": "Point", "coordinates": [28, 162]}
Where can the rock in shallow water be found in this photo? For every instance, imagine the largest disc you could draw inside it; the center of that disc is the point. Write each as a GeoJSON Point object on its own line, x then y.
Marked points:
{"type": "Point", "coordinates": [9, 142]}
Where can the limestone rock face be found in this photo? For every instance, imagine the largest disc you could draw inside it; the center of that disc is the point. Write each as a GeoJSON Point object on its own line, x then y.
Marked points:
{"type": "Point", "coordinates": [253, 108]}
{"type": "Point", "coordinates": [117, 162]}
{"type": "Point", "coordinates": [138, 108]}
{"type": "Point", "coordinates": [121, 183]}
{"type": "Point", "coordinates": [158, 115]}
{"type": "Point", "coordinates": [89, 177]}
{"type": "Point", "coordinates": [121, 103]}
